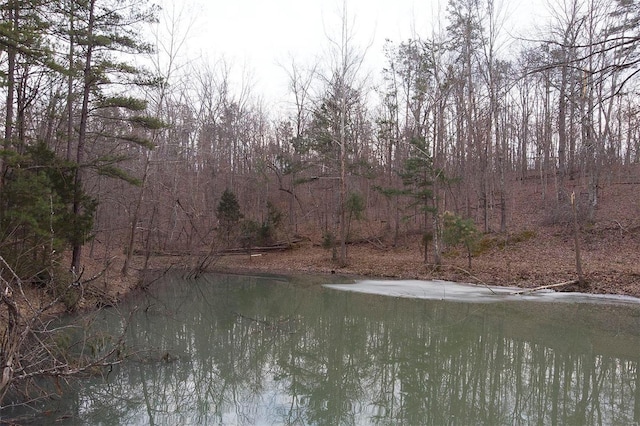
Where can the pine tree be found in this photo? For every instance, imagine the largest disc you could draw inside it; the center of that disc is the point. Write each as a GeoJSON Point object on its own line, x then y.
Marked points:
{"type": "Point", "coordinates": [107, 34]}
{"type": "Point", "coordinates": [23, 33]}
{"type": "Point", "coordinates": [457, 230]}
{"type": "Point", "coordinates": [35, 214]}
{"type": "Point", "coordinates": [418, 178]}
{"type": "Point", "coordinates": [228, 212]}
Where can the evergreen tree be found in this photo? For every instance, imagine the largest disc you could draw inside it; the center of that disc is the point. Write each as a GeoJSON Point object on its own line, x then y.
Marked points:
{"type": "Point", "coordinates": [228, 212]}
{"type": "Point", "coordinates": [418, 178]}
{"type": "Point", "coordinates": [23, 36]}
{"type": "Point", "coordinates": [108, 35]}
{"type": "Point", "coordinates": [457, 230]}
{"type": "Point", "coordinates": [36, 221]}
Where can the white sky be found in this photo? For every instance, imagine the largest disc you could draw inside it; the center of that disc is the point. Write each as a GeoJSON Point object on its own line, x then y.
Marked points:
{"type": "Point", "coordinates": [261, 36]}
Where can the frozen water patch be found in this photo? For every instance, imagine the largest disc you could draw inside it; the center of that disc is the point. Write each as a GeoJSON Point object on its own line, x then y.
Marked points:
{"type": "Point", "coordinates": [471, 293]}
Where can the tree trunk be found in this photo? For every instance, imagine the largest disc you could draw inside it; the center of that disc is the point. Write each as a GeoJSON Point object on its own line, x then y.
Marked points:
{"type": "Point", "coordinates": [576, 240]}
{"type": "Point", "coordinates": [70, 78]}
{"type": "Point", "coordinates": [11, 71]}
{"type": "Point", "coordinates": [82, 136]}
{"type": "Point", "coordinates": [343, 139]}
{"type": "Point", "coordinates": [562, 131]}
{"type": "Point", "coordinates": [135, 218]}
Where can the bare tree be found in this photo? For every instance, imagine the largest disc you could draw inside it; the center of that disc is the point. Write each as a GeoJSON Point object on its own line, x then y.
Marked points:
{"type": "Point", "coordinates": [34, 348]}
{"type": "Point", "coordinates": [166, 67]}
{"type": "Point", "coordinates": [300, 84]}
{"type": "Point", "coordinates": [343, 80]}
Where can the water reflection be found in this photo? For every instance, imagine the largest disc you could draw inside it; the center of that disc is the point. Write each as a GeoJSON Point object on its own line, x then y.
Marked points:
{"type": "Point", "coordinates": [254, 350]}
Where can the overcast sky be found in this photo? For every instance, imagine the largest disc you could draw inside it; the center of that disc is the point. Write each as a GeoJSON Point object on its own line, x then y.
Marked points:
{"type": "Point", "coordinates": [262, 35]}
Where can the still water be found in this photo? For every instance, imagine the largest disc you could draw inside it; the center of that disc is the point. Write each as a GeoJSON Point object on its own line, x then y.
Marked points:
{"type": "Point", "coordinates": [247, 350]}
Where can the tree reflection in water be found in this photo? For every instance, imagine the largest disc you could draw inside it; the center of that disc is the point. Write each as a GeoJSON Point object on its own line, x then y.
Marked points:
{"type": "Point", "coordinates": [246, 350]}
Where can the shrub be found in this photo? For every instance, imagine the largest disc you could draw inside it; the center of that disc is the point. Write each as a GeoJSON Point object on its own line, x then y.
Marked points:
{"type": "Point", "coordinates": [328, 240]}
{"type": "Point", "coordinates": [502, 241]}
{"type": "Point", "coordinates": [228, 212]}
{"type": "Point", "coordinates": [457, 230]}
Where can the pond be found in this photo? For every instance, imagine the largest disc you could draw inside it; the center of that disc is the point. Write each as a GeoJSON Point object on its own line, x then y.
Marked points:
{"type": "Point", "coordinates": [247, 350]}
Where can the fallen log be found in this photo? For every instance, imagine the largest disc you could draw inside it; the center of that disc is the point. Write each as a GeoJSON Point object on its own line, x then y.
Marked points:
{"type": "Point", "coordinates": [247, 250]}
{"type": "Point", "coordinates": [545, 287]}
{"type": "Point", "coordinates": [280, 246]}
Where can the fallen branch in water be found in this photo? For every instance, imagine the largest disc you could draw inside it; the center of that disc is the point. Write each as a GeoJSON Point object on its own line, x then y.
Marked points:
{"type": "Point", "coordinates": [470, 275]}
{"type": "Point", "coordinates": [544, 287]}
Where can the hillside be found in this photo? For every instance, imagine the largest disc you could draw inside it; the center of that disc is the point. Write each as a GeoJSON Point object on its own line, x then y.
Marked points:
{"type": "Point", "coordinates": [538, 250]}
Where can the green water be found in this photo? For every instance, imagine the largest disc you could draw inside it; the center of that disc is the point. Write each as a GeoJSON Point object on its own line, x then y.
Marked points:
{"type": "Point", "coordinates": [229, 349]}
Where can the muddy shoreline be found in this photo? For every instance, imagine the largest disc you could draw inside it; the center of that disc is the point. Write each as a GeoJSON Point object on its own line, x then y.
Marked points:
{"type": "Point", "coordinates": [501, 268]}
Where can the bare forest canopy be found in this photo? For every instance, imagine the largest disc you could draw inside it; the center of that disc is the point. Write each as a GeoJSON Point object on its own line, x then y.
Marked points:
{"type": "Point", "coordinates": [101, 147]}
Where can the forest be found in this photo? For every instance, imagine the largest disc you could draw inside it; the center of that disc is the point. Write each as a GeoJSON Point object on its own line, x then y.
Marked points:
{"type": "Point", "coordinates": [110, 141]}
{"type": "Point", "coordinates": [112, 145]}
